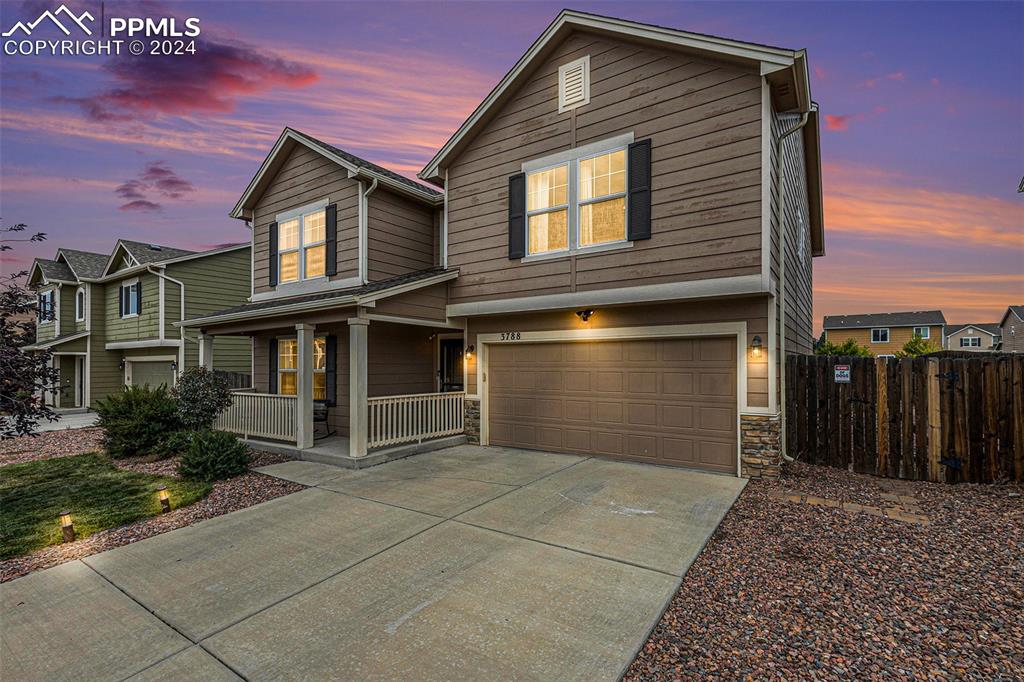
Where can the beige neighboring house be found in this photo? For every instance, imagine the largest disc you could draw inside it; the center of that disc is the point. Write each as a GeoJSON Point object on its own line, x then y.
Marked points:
{"type": "Point", "coordinates": [612, 256]}
{"type": "Point", "coordinates": [1011, 330]}
{"type": "Point", "coordinates": [977, 337]}
{"type": "Point", "coordinates": [108, 318]}
{"type": "Point", "coordinates": [885, 333]}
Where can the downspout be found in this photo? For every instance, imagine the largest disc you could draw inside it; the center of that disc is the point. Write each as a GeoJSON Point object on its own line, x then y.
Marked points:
{"type": "Point", "coordinates": [181, 285]}
{"type": "Point", "coordinates": [364, 231]}
{"type": "Point", "coordinates": [781, 221]}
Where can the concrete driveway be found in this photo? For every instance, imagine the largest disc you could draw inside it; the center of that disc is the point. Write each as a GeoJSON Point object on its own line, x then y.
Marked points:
{"type": "Point", "coordinates": [462, 563]}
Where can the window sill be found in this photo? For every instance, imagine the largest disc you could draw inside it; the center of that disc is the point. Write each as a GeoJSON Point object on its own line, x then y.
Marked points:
{"type": "Point", "coordinates": [590, 250]}
{"type": "Point", "coordinates": [125, 317]}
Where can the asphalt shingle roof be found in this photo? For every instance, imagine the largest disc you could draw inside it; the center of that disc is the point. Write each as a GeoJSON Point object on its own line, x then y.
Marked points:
{"type": "Point", "coordinates": [152, 253]}
{"type": "Point", "coordinates": [54, 270]}
{"type": "Point", "coordinates": [990, 327]}
{"type": "Point", "coordinates": [363, 163]}
{"type": "Point", "coordinates": [85, 264]}
{"type": "Point", "coordinates": [269, 306]}
{"type": "Point", "coordinates": [903, 319]}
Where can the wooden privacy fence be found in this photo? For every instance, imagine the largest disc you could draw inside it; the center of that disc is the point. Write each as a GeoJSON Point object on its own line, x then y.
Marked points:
{"type": "Point", "coordinates": [934, 419]}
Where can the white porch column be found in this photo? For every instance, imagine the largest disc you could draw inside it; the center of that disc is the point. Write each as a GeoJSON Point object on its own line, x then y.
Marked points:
{"type": "Point", "coordinates": [304, 386]}
{"type": "Point", "coordinates": [358, 423]}
{"type": "Point", "coordinates": [205, 351]}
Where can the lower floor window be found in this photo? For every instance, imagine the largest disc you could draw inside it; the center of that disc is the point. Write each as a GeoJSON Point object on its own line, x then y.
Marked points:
{"type": "Point", "coordinates": [288, 367]}
{"type": "Point", "coordinates": [970, 342]}
{"type": "Point", "coordinates": [879, 336]}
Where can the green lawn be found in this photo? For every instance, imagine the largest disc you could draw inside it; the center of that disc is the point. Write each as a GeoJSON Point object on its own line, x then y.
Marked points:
{"type": "Point", "coordinates": [98, 494]}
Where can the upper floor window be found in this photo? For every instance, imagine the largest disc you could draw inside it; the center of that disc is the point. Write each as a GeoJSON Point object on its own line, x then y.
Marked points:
{"type": "Point", "coordinates": [302, 246]}
{"type": "Point", "coordinates": [80, 305]}
{"type": "Point", "coordinates": [923, 332]}
{"type": "Point", "coordinates": [45, 309]}
{"type": "Point", "coordinates": [130, 298]}
{"type": "Point", "coordinates": [288, 365]}
{"type": "Point", "coordinates": [577, 204]}
{"type": "Point", "coordinates": [970, 342]}
{"type": "Point", "coordinates": [879, 336]}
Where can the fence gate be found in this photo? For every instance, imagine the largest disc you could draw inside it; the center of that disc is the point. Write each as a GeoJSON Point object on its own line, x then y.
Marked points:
{"type": "Point", "coordinates": [934, 419]}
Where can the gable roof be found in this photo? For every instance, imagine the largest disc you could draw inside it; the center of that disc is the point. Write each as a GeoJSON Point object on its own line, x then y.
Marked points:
{"type": "Point", "coordinates": [1017, 310]}
{"type": "Point", "coordinates": [356, 167]}
{"type": "Point", "coordinates": [903, 319]}
{"type": "Point", "coordinates": [50, 271]}
{"type": "Point", "coordinates": [143, 254]}
{"type": "Point", "coordinates": [85, 264]}
{"type": "Point", "coordinates": [990, 328]}
{"type": "Point", "coordinates": [785, 69]}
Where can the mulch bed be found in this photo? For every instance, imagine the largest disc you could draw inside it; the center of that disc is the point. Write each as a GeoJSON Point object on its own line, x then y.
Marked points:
{"type": "Point", "coordinates": [794, 591]}
{"type": "Point", "coordinates": [227, 496]}
{"type": "Point", "coordinates": [61, 443]}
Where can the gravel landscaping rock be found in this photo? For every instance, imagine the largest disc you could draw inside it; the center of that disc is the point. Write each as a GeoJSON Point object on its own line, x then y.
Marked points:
{"type": "Point", "coordinates": [796, 591]}
{"type": "Point", "coordinates": [63, 443]}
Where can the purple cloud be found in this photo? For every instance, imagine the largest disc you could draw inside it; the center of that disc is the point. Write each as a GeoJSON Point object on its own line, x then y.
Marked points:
{"type": "Point", "coordinates": [140, 205]}
{"type": "Point", "coordinates": [166, 181]}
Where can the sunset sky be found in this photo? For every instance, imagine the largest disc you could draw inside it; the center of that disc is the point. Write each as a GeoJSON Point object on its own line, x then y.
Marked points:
{"type": "Point", "coordinates": [922, 124]}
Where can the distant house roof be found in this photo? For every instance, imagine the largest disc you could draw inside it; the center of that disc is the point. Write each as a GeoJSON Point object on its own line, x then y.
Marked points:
{"type": "Point", "coordinates": [144, 253]}
{"type": "Point", "coordinates": [355, 166]}
{"type": "Point", "coordinates": [905, 319]}
{"type": "Point", "coordinates": [85, 264]}
{"type": "Point", "coordinates": [990, 328]}
{"type": "Point", "coordinates": [327, 299]}
{"type": "Point", "coordinates": [1017, 310]}
{"type": "Point", "coordinates": [51, 270]}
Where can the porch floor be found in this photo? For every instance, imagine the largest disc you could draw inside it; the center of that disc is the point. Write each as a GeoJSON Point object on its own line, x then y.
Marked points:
{"type": "Point", "coordinates": [333, 450]}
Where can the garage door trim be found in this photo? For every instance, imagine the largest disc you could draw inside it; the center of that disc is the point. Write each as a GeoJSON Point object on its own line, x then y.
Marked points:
{"type": "Point", "coordinates": [675, 331]}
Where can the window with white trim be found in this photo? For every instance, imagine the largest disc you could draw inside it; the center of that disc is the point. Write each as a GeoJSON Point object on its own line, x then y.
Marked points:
{"type": "Point", "coordinates": [288, 367]}
{"type": "Point", "coordinates": [130, 298]}
{"type": "Point", "coordinates": [45, 309]}
{"type": "Point", "coordinates": [302, 247]}
{"type": "Point", "coordinates": [970, 342]}
{"type": "Point", "coordinates": [577, 204]}
{"type": "Point", "coordinates": [880, 335]}
{"type": "Point", "coordinates": [80, 305]}
{"type": "Point", "coordinates": [923, 332]}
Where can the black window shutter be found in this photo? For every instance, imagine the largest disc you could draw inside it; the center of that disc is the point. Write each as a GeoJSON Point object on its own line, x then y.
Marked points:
{"type": "Point", "coordinates": [120, 301]}
{"type": "Point", "coordinates": [640, 190]}
{"type": "Point", "coordinates": [138, 297]}
{"type": "Point", "coordinates": [331, 218]}
{"type": "Point", "coordinates": [272, 361]}
{"type": "Point", "coordinates": [273, 254]}
{"type": "Point", "coordinates": [517, 216]}
{"type": "Point", "coordinates": [332, 369]}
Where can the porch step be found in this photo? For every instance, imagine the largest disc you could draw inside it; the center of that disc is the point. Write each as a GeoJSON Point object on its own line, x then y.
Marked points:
{"type": "Point", "coordinates": [335, 454]}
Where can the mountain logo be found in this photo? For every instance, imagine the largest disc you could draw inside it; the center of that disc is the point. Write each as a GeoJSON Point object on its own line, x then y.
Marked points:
{"type": "Point", "coordinates": [68, 15]}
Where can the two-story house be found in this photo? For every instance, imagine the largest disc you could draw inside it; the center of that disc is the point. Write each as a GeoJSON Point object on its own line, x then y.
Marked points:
{"type": "Point", "coordinates": [885, 333]}
{"type": "Point", "coordinates": [616, 259]}
{"type": "Point", "coordinates": [1011, 330]}
{"type": "Point", "coordinates": [108, 319]}
{"type": "Point", "coordinates": [976, 337]}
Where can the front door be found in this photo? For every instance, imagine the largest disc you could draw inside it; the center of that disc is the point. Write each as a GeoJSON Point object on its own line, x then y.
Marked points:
{"type": "Point", "coordinates": [450, 365]}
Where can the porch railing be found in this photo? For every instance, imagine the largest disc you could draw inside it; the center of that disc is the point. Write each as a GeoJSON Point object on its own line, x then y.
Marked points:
{"type": "Point", "coordinates": [263, 415]}
{"type": "Point", "coordinates": [398, 419]}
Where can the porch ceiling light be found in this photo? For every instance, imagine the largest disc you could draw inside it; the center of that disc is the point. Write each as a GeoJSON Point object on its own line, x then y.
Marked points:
{"type": "Point", "coordinates": [67, 526]}
{"type": "Point", "coordinates": [755, 347]}
{"type": "Point", "coordinates": [584, 314]}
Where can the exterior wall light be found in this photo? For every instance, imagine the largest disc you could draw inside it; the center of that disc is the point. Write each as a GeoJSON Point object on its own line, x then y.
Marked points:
{"type": "Point", "coordinates": [174, 365]}
{"type": "Point", "coordinates": [120, 365]}
{"type": "Point", "coordinates": [584, 314]}
{"type": "Point", "coordinates": [67, 526]}
{"type": "Point", "coordinates": [165, 499]}
{"type": "Point", "coordinates": [755, 347]}
{"type": "Point", "coordinates": [469, 352]}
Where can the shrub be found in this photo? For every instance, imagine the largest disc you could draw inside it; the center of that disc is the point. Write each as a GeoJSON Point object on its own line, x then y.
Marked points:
{"type": "Point", "coordinates": [174, 443]}
{"type": "Point", "coordinates": [917, 347]}
{"type": "Point", "coordinates": [137, 420]}
{"type": "Point", "coordinates": [846, 348]}
{"type": "Point", "coordinates": [202, 395]}
{"type": "Point", "coordinates": [213, 456]}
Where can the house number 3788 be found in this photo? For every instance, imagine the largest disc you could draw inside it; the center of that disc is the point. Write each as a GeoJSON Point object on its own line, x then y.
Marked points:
{"type": "Point", "coordinates": [511, 336]}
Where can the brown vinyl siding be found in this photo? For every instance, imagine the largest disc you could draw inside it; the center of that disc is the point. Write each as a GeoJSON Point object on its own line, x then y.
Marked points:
{"type": "Point", "coordinates": [1012, 334]}
{"type": "Point", "coordinates": [427, 303]}
{"type": "Point", "coordinates": [703, 120]}
{"type": "Point", "coordinates": [953, 340]}
{"type": "Point", "coordinates": [401, 235]}
{"type": "Point", "coordinates": [897, 337]}
{"type": "Point", "coordinates": [306, 177]}
{"type": "Point", "coordinates": [751, 310]}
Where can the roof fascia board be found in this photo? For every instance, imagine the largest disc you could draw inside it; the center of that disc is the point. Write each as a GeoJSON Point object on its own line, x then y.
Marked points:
{"type": "Point", "coordinates": [398, 187]}
{"type": "Point", "coordinates": [50, 343]}
{"type": "Point", "coordinates": [731, 48]}
{"type": "Point", "coordinates": [285, 135]}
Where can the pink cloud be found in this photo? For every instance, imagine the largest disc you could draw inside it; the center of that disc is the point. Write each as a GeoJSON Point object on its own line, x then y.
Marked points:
{"type": "Point", "coordinates": [839, 123]}
{"type": "Point", "coordinates": [820, 73]}
{"type": "Point", "coordinates": [140, 205]}
{"type": "Point", "coordinates": [872, 82]}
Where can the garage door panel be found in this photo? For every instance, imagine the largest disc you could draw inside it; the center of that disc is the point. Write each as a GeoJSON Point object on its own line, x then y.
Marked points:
{"type": "Point", "coordinates": [669, 401]}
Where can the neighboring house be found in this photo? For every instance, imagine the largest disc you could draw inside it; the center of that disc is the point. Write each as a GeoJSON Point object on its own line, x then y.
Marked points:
{"type": "Point", "coordinates": [1011, 330]}
{"type": "Point", "coordinates": [975, 337]}
{"type": "Point", "coordinates": [601, 273]}
{"type": "Point", "coordinates": [886, 333]}
{"type": "Point", "coordinates": [109, 319]}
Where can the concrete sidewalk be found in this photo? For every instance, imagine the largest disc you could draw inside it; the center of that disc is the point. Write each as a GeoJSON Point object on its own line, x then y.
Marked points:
{"type": "Point", "coordinates": [463, 563]}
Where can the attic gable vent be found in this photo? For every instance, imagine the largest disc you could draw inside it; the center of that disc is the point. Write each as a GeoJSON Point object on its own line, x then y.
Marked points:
{"type": "Point", "coordinates": [574, 84]}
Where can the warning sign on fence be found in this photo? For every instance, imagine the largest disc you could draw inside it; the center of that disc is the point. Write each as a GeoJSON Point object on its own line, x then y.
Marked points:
{"type": "Point", "coordinates": [842, 374]}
